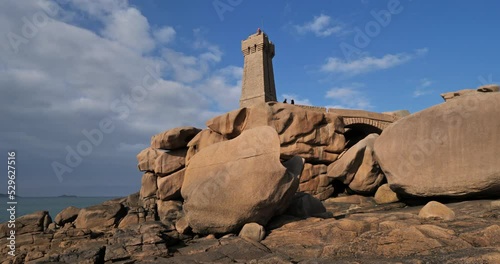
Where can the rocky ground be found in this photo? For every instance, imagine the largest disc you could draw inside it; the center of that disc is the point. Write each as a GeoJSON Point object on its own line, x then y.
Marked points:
{"type": "Point", "coordinates": [279, 183]}
{"type": "Point", "coordinates": [354, 229]}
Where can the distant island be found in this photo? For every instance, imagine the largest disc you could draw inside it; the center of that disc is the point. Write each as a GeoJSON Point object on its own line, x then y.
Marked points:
{"type": "Point", "coordinates": [3, 195]}
{"type": "Point", "coordinates": [66, 196]}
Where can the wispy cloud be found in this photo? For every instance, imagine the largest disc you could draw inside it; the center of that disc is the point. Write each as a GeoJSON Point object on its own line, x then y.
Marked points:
{"type": "Point", "coordinates": [349, 96]}
{"type": "Point", "coordinates": [189, 68]}
{"type": "Point", "coordinates": [423, 88]}
{"type": "Point", "coordinates": [226, 81]}
{"type": "Point", "coordinates": [368, 63]}
{"type": "Point", "coordinates": [287, 10]}
{"type": "Point", "coordinates": [165, 34]}
{"type": "Point", "coordinates": [321, 26]}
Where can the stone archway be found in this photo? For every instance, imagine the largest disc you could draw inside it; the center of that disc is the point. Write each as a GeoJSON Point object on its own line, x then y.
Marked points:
{"type": "Point", "coordinates": [357, 131]}
{"type": "Point", "coordinates": [360, 123]}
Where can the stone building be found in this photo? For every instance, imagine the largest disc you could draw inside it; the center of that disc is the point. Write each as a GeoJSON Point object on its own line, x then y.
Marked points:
{"type": "Point", "coordinates": [258, 87]}
{"type": "Point", "coordinates": [258, 75]}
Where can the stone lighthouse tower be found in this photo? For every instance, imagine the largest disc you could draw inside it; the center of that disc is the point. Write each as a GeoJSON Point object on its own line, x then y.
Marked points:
{"type": "Point", "coordinates": [258, 75]}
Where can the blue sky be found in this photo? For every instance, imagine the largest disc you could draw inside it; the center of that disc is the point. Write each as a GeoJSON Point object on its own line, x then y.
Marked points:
{"type": "Point", "coordinates": [68, 66]}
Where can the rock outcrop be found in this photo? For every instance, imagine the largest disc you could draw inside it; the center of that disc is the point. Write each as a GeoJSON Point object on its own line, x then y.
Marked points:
{"type": "Point", "coordinates": [296, 183]}
{"type": "Point", "coordinates": [100, 216]}
{"type": "Point", "coordinates": [315, 136]}
{"type": "Point", "coordinates": [390, 236]}
{"type": "Point", "coordinates": [446, 150]}
{"type": "Point", "coordinates": [357, 167]}
{"type": "Point", "coordinates": [204, 139]}
{"type": "Point", "coordinates": [175, 138]}
{"type": "Point", "coordinates": [360, 232]}
{"type": "Point", "coordinates": [314, 181]}
{"type": "Point", "coordinates": [169, 187]}
{"type": "Point", "coordinates": [239, 181]}
{"type": "Point", "coordinates": [161, 162]}
{"type": "Point", "coordinates": [35, 222]}
{"type": "Point", "coordinates": [67, 215]}
{"type": "Point", "coordinates": [240, 176]}
{"type": "Point", "coordinates": [149, 185]}
{"type": "Point", "coordinates": [465, 92]}
{"type": "Point", "coordinates": [169, 210]}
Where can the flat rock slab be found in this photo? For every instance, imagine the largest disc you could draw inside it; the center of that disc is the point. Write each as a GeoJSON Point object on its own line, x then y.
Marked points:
{"type": "Point", "coordinates": [224, 250]}
{"type": "Point", "coordinates": [161, 162]}
{"type": "Point", "coordinates": [174, 138]}
{"type": "Point", "coordinates": [100, 216]}
{"type": "Point", "coordinates": [392, 236]}
{"type": "Point", "coordinates": [34, 222]}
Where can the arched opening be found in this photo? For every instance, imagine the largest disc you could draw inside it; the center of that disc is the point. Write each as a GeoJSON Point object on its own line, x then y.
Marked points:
{"type": "Point", "coordinates": [356, 132]}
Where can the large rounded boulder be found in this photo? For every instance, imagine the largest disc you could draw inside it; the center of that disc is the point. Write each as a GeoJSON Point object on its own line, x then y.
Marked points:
{"type": "Point", "coordinates": [449, 150]}
{"type": "Point", "coordinates": [239, 181]}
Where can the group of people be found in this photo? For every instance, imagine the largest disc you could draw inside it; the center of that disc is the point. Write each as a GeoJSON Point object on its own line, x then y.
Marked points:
{"type": "Point", "coordinates": [292, 102]}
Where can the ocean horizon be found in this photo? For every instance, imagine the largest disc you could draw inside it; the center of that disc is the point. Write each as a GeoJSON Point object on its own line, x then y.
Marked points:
{"type": "Point", "coordinates": [54, 204]}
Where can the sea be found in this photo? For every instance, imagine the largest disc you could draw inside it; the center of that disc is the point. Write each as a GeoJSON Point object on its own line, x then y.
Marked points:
{"type": "Point", "coordinates": [27, 205]}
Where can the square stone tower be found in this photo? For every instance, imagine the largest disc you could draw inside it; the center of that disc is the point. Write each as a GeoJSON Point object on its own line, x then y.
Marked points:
{"type": "Point", "coordinates": [258, 76]}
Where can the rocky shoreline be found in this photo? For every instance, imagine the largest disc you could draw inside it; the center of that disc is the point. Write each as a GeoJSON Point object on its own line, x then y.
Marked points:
{"type": "Point", "coordinates": [280, 183]}
{"type": "Point", "coordinates": [354, 229]}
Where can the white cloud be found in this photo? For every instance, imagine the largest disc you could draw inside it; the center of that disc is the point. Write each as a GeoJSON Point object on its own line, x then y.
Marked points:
{"type": "Point", "coordinates": [191, 68]}
{"type": "Point", "coordinates": [130, 28]}
{"type": "Point", "coordinates": [66, 78]}
{"type": "Point", "coordinates": [321, 26]}
{"type": "Point", "coordinates": [27, 76]}
{"type": "Point", "coordinates": [422, 88]}
{"type": "Point", "coordinates": [185, 68]}
{"type": "Point", "coordinates": [350, 97]}
{"type": "Point", "coordinates": [224, 87]}
{"type": "Point", "coordinates": [368, 63]}
{"type": "Point", "coordinates": [425, 82]}
{"type": "Point", "coordinates": [165, 34]}
{"type": "Point", "coordinates": [213, 53]}
{"type": "Point", "coordinates": [121, 23]}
